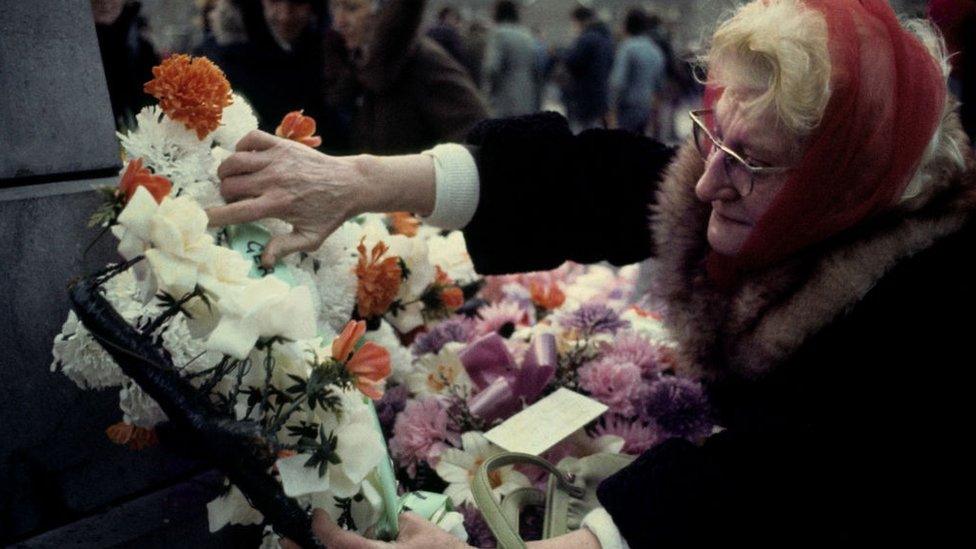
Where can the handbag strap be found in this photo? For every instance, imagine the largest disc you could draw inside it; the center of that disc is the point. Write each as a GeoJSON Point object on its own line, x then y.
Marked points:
{"type": "Point", "coordinates": [506, 532]}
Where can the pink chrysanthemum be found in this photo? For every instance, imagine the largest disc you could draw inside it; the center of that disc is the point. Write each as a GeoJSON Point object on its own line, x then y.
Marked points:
{"type": "Point", "coordinates": [421, 433]}
{"type": "Point", "coordinates": [500, 315]}
{"type": "Point", "coordinates": [630, 346]}
{"type": "Point", "coordinates": [638, 437]}
{"type": "Point", "coordinates": [614, 383]}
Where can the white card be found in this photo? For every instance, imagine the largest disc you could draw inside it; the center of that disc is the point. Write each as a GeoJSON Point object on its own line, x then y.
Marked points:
{"type": "Point", "coordinates": [545, 423]}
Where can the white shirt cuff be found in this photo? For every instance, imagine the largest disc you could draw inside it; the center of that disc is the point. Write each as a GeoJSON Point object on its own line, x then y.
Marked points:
{"type": "Point", "coordinates": [600, 523]}
{"type": "Point", "coordinates": [457, 186]}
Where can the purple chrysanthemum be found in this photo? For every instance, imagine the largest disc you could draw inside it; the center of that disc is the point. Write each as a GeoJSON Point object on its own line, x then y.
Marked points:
{"type": "Point", "coordinates": [638, 436]}
{"type": "Point", "coordinates": [678, 406]}
{"type": "Point", "coordinates": [457, 329]}
{"type": "Point", "coordinates": [630, 346]}
{"type": "Point", "coordinates": [479, 534]}
{"type": "Point", "coordinates": [393, 402]}
{"type": "Point", "coordinates": [594, 318]}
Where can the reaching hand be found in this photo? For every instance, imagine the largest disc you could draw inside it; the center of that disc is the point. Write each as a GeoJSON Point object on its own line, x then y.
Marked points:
{"type": "Point", "coordinates": [273, 177]}
{"type": "Point", "coordinates": [415, 533]}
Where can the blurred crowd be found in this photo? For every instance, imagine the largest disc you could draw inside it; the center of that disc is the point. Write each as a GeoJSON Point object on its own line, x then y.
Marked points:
{"type": "Point", "coordinates": [383, 76]}
{"type": "Point", "coordinates": [377, 79]}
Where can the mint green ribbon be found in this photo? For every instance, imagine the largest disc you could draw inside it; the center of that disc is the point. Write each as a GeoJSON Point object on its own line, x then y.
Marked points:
{"type": "Point", "coordinates": [249, 240]}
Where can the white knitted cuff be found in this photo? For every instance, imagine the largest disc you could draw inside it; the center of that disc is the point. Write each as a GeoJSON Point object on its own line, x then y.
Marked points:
{"type": "Point", "coordinates": [600, 523]}
{"type": "Point", "coordinates": [458, 185]}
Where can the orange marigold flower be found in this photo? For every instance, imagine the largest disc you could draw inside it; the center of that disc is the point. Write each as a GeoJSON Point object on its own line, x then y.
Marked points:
{"type": "Point", "coordinates": [136, 176]}
{"type": "Point", "coordinates": [136, 438]}
{"type": "Point", "coordinates": [546, 297]}
{"type": "Point", "coordinates": [404, 223]}
{"type": "Point", "coordinates": [191, 90]}
{"type": "Point", "coordinates": [298, 127]}
{"type": "Point", "coordinates": [379, 280]}
{"type": "Point", "coordinates": [452, 297]}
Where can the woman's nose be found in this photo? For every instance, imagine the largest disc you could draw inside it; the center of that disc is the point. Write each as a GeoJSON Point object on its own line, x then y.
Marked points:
{"type": "Point", "coordinates": [714, 184]}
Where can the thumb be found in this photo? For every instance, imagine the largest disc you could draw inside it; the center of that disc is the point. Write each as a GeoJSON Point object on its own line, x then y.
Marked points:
{"type": "Point", "coordinates": [284, 244]}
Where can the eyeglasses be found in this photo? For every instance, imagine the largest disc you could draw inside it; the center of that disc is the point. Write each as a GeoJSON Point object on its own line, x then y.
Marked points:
{"type": "Point", "coordinates": [741, 172]}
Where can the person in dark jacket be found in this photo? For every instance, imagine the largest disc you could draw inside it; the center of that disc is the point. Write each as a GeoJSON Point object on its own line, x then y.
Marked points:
{"type": "Point", "coordinates": [813, 243]}
{"type": "Point", "coordinates": [409, 93]}
{"type": "Point", "coordinates": [272, 54]}
{"type": "Point", "coordinates": [447, 33]}
{"type": "Point", "coordinates": [588, 61]}
{"type": "Point", "coordinates": [128, 58]}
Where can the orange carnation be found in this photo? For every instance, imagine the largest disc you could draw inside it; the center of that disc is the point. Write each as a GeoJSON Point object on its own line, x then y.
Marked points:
{"type": "Point", "coordinates": [404, 223]}
{"type": "Point", "coordinates": [136, 438]}
{"type": "Point", "coordinates": [452, 297]}
{"type": "Point", "coordinates": [379, 280]}
{"type": "Point", "coordinates": [136, 176]}
{"type": "Point", "coordinates": [191, 90]}
{"type": "Point", "coordinates": [298, 127]}
{"type": "Point", "coordinates": [546, 297]}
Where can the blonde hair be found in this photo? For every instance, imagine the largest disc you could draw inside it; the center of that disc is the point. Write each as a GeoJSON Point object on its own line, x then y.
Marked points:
{"type": "Point", "coordinates": [775, 55]}
{"type": "Point", "coordinates": [776, 52]}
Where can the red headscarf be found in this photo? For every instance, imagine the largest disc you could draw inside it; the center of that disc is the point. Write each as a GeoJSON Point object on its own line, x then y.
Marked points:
{"type": "Point", "coordinates": [887, 96]}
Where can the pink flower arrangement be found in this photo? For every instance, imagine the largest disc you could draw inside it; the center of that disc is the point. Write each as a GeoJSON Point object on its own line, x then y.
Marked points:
{"type": "Point", "coordinates": [613, 382]}
{"type": "Point", "coordinates": [638, 437]}
{"type": "Point", "coordinates": [630, 346]}
{"type": "Point", "coordinates": [421, 433]}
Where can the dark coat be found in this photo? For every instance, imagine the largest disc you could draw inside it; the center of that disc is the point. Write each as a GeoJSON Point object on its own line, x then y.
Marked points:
{"type": "Point", "coordinates": [274, 81]}
{"type": "Point", "coordinates": [840, 377]}
{"type": "Point", "coordinates": [409, 93]}
{"type": "Point", "coordinates": [128, 59]}
{"type": "Point", "coordinates": [589, 61]}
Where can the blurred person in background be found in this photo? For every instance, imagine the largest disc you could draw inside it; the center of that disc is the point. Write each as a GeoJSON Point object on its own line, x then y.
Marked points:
{"type": "Point", "coordinates": [128, 58]}
{"type": "Point", "coordinates": [475, 45]}
{"type": "Point", "coordinates": [447, 33]}
{"type": "Point", "coordinates": [638, 74]}
{"type": "Point", "coordinates": [272, 53]}
{"type": "Point", "coordinates": [588, 62]}
{"type": "Point", "coordinates": [408, 92]}
{"type": "Point", "coordinates": [512, 71]}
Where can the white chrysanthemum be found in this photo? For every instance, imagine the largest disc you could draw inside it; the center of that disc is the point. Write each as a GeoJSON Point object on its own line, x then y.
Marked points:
{"type": "Point", "coordinates": [440, 374]}
{"type": "Point", "coordinates": [420, 274]}
{"type": "Point", "coordinates": [648, 325]}
{"type": "Point", "coordinates": [450, 253]}
{"type": "Point", "coordinates": [458, 469]}
{"type": "Point", "coordinates": [231, 508]}
{"type": "Point", "coordinates": [169, 148]}
{"type": "Point", "coordinates": [139, 408]}
{"type": "Point", "coordinates": [82, 359]}
{"type": "Point", "coordinates": [236, 121]}
{"type": "Point", "coordinates": [401, 360]}
{"type": "Point", "coordinates": [358, 445]}
{"type": "Point", "coordinates": [335, 307]}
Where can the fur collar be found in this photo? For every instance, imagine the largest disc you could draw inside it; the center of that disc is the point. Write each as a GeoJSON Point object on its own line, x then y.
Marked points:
{"type": "Point", "coordinates": [770, 315]}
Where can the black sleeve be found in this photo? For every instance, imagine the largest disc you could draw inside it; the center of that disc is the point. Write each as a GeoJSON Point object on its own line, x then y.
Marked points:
{"type": "Point", "coordinates": [548, 196]}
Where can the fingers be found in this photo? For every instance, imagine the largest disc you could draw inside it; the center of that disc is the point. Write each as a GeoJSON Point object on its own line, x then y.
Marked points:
{"type": "Point", "coordinates": [240, 212]}
{"type": "Point", "coordinates": [290, 243]}
{"type": "Point", "coordinates": [242, 162]}
{"type": "Point", "coordinates": [334, 537]}
{"type": "Point", "coordinates": [256, 140]}
{"type": "Point", "coordinates": [286, 543]}
{"type": "Point", "coordinates": [239, 187]}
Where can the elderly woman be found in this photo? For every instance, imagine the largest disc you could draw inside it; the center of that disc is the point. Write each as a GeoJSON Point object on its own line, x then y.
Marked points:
{"type": "Point", "coordinates": [813, 245]}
